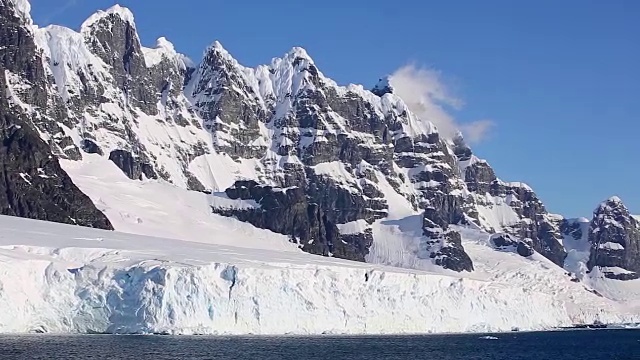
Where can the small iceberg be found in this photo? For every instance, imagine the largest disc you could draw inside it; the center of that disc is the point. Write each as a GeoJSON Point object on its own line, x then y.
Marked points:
{"type": "Point", "coordinates": [488, 338]}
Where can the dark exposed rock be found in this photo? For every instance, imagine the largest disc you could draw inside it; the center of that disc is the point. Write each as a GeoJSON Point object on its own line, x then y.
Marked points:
{"type": "Point", "coordinates": [615, 240]}
{"type": "Point", "coordinates": [341, 204]}
{"type": "Point", "coordinates": [481, 179]}
{"type": "Point", "coordinates": [524, 249]}
{"type": "Point", "coordinates": [536, 223]}
{"type": "Point", "coordinates": [89, 146]}
{"type": "Point", "coordinates": [19, 56]}
{"type": "Point", "coordinates": [623, 276]}
{"type": "Point", "coordinates": [546, 238]}
{"type": "Point", "coordinates": [193, 183]}
{"type": "Point", "coordinates": [360, 114]}
{"type": "Point", "coordinates": [444, 245]}
{"type": "Point", "coordinates": [357, 244]}
{"type": "Point", "coordinates": [508, 243]}
{"type": "Point", "coordinates": [443, 202]}
{"type": "Point", "coordinates": [116, 42]}
{"type": "Point", "coordinates": [133, 166]}
{"type": "Point", "coordinates": [32, 183]}
{"type": "Point", "coordinates": [461, 149]}
{"type": "Point", "coordinates": [289, 212]}
{"type": "Point", "coordinates": [571, 228]}
{"type": "Point", "coordinates": [233, 113]}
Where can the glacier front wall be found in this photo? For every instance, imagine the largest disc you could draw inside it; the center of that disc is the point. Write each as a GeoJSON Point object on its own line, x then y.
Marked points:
{"type": "Point", "coordinates": [152, 297]}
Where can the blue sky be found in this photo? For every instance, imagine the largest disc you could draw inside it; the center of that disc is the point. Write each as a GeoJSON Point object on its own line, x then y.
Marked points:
{"type": "Point", "coordinates": [560, 80]}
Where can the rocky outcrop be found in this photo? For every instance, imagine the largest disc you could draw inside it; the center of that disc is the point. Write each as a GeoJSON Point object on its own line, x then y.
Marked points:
{"type": "Point", "coordinates": [573, 228]}
{"type": "Point", "coordinates": [444, 245]}
{"type": "Point", "coordinates": [132, 166]}
{"type": "Point", "coordinates": [113, 38]}
{"type": "Point", "coordinates": [32, 183]}
{"type": "Point", "coordinates": [529, 221]}
{"type": "Point", "coordinates": [227, 105]}
{"type": "Point", "coordinates": [289, 211]}
{"type": "Point", "coordinates": [506, 242]}
{"type": "Point", "coordinates": [119, 99]}
{"type": "Point", "coordinates": [615, 241]}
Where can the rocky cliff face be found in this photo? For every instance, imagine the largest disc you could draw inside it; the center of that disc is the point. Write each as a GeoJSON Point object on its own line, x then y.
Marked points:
{"type": "Point", "coordinates": [323, 163]}
{"type": "Point", "coordinates": [522, 214]}
{"type": "Point", "coordinates": [121, 100]}
{"type": "Point", "coordinates": [614, 235]}
{"type": "Point", "coordinates": [32, 183]}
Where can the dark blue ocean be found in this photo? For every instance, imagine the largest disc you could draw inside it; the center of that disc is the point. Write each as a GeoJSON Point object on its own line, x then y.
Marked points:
{"type": "Point", "coordinates": [582, 345]}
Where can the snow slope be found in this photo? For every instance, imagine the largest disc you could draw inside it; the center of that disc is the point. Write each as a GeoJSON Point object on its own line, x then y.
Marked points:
{"type": "Point", "coordinates": [60, 278]}
{"type": "Point", "coordinates": [156, 208]}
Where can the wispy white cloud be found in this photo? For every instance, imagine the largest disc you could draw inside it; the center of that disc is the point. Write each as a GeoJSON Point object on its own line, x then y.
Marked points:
{"type": "Point", "coordinates": [477, 131]}
{"type": "Point", "coordinates": [429, 98]}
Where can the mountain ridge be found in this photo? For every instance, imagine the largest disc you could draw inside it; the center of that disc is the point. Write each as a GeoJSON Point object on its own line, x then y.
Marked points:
{"type": "Point", "coordinates": [340, 159]}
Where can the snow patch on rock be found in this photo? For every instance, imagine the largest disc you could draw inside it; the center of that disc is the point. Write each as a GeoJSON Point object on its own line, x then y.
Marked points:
{"type": "Point", "coordinates": [23, 9]}
{"type": "Point", "coordinates": [124, 13]}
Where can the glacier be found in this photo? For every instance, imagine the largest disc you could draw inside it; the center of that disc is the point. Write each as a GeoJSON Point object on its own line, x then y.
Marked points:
{"type": "Point", "coordinates": [59, 278]}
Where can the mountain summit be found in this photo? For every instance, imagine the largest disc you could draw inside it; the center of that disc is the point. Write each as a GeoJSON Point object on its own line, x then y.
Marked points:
{"type": "Point", "coordinates": [614, 235]}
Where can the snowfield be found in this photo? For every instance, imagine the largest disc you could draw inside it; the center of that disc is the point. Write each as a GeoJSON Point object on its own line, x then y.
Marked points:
{"type": "Point", "coordinates": [156, 208]}
{"type": "Point", "coordinates": [60, 278]}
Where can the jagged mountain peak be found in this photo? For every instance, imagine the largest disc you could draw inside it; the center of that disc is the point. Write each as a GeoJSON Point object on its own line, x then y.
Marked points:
{"type": "Point", "coordinates": [293, 62]}
{"type": "Point", "coordinates": [612, 205]}
{"type": "Point", "coordinates": [165, 49]}
{"type": "Point", "coordinates": [163, 43]}
{"type": "Point", "coordinates": [216, 46]}
{"type": "Point", "coordinates": [217, 56]}
{"type": "Point", "coordinates": [22, 8]}
{"type": "Point", "coordinates": [297, 56]}
{"type": "Point", "coordinates": [614, 200]}
{"type": "Point", "coordinates": [116, 11]}
{"type": "Point", "coordinates": [68, 54]}
{"type": "Point", "coordinates": [298, 52]}
{"type": "Point", "coordinates": [614, 235]}
{"type": "Point", "coordinates": [612, 213]}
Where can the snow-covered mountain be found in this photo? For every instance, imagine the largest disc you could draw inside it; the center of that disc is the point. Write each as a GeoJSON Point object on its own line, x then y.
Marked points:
{"type": "Point", "coordinates": [101, 131]}
{"type": "Point", "coordinates": [343, 150]}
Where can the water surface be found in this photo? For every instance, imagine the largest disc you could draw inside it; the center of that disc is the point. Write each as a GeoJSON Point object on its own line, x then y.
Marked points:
{"type": "Point", "coordinates": [582, 345]}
